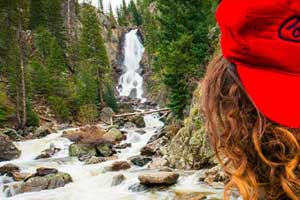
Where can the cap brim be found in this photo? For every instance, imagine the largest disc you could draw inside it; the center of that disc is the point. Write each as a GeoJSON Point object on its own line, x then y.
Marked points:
{"type": "Point", "coordinates": [276, 94]}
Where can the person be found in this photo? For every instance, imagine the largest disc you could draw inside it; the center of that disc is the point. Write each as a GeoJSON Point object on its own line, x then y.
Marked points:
{"type": "Point", "coordinates": [251, 98]}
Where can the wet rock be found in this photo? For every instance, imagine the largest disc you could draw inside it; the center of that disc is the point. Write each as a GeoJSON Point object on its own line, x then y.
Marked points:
{"type": "Point", "coordinates": [190, 196]}
{"type": "Point", "coordinates": [158, 178]}
{"type": "Point", "coordinates": [87, 135]}
{"type": "Point", "coordinates": [47, 182]}
{"type": "Point", "coordinates": [139, 121]}
{"type": "Point", "coordinates": [120, 165]}
{"type": "Point", "coordinates": [140, 160]}
{"type": "Point", "coordinates": [138, 188]}
{"type": "Point", "coordinates": [115, 134]}
{"type": "Point", "coordinates": [147, 151]}
{"type": "Point", "coordinates": [21, 176]}
{"type": "Point", "coordinates": [42, 171]}
{"type": "Point", "coordinates": [129, 125]}
{"type": "Point", "coordinates": [123, 146]}
{"type": "Point", "coordinates": [94, 160]}
{"type": "Point", "coordinates": [77, 150]}
{"type": "Point", "coordinates": [158, 163]}
{"type": "Point", "coordinates": [118, 179]}
{"type": "Point", "coordinates": [12, 134]}
{"type": "Point", "coordinates": [125, 108]}
{"type": "Point", "coordinates": [105, 150]}
{"type": "Point", "coordinates": [106, 114]}
{"type": "Point", "coordinates": [42, 132]}
{"type": "Point", "coordinates": [8, 151]}
{"type": "Point", "coordinates": [9, 169]}
{"type": "Point", "coordinates": [48, 153]}
{"type": "Point", "coordinates": [154, 147]}
{"type": "Point", "coordinates": [215, 174]}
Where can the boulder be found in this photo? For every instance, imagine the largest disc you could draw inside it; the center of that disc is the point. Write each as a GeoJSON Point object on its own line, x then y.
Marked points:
{"type": "Point", "coordinates": [87, 135]}
{"type": "Point", "coordinates": [105, 150]}
{"type": "Point", "coordinates": [47, 182]}
{"type": "Point", "coordinates": [140, 160]}
{"type": "Point", "coordinates": [139, 121]}
{"type": "Point", "coordinates": [48, 153]}
{"type": "Point", "coordinates": [9, 169]}
{"type": "Point", "coordinates": [42, 132]}
{"type": "Point", "coordinates": [158, 178]}
{"type": "Point", "coordinates": [106, 114]}
{"type": "Point", "coordinates": [12, 134]}
{"type": "Point", "coordinates": [42, 171]}
{"type": "Point", "coordinates": [190, 196]}
{"type": "Point", "coordinates": [125, 108]}
{"type": "Point", "coordinates": [8, 151]}
{"type": "Point", "coordinates": [118, 179]}
{"type": "Point", "coordinates": [140, 131]}
{"type": "Point", "coordinates": [120, 165]}
{"type": "Point", "coordinates": [77, 150]}
{"type": "Point", "coordinates": [114, 134]}
{"type": "Point", "coordinates": [21, 176]}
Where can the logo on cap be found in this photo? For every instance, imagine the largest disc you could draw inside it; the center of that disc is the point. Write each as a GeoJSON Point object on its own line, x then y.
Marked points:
{"type": "Point", "coordinates": [290, 29]}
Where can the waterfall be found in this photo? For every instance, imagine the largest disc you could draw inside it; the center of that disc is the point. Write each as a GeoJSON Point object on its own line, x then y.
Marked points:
{"type": "Point", "coordinates": [131, 82]}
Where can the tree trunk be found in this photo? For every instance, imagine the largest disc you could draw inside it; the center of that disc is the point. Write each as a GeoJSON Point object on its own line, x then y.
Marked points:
{"type": "Point", "coordinates": [69, 18]}
{"type": "Point", "coordinates": [18, 106]}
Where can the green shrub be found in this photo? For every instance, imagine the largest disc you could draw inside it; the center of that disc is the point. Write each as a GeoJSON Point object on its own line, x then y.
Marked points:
{"type": "Point", "coordinates": [59, 107]}
{"type": "Point", "coordinates": [110, 99]}
{"type": "Point", "coordinates": [88, 114]}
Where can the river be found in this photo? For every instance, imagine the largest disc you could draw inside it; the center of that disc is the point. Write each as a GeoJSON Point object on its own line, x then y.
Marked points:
{"type": "Point", "coordinates": [93, 182]}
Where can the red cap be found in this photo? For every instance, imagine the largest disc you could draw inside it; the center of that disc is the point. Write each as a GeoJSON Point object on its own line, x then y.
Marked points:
{"type": "Point", "coordinates": [262, 38]}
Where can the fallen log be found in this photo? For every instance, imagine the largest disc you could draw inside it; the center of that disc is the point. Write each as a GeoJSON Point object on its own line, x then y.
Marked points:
{"type": "Point", "coordinates": [141, 113]}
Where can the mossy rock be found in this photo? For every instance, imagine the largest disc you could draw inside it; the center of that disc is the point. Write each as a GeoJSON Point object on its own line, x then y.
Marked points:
{"type": "Point", "coordinates": [77, 150]}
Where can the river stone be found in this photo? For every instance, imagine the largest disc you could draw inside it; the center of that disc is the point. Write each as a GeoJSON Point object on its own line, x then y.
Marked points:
{"type": "Point", "coordinates": [140, 160]}
{"type": "Point", "coordinates": [139, 121]}
{"type": "Point", "coordinates": [138, 188]}
{"type": "Point", "coordinates": [42, 132]}
{"type": "Point", "coordinates": [94, 160]}
{"type": "Point", "coordinates": [9, 169]}
{"type": "Point", "coordinates": [105, 150]}
{"type": "Point", "coordinates": [125, 108]}
{"type": "Point", "coordinates": [190, 196]}
{"type": "Point", "coordinates": [48, 153]}
{"type": "Point", "coordinates": [106, 114]}
{"type": "Point", "coordinates": [118, 179]}
{"type": "Point", "coordinates": [12, 134]}
{"type": "Point", "coordinates": [47, 182]}
{"type": "Point", "coordinates": [123, 146]}
{"type": "Point", "coordinates": [120, 165]}
{"type": "Point", "coordinates": [158, 178]}
{"type": "Point", "coordinates": [42, 171]}
{"type": "Point", "coordinates": [77, 150]}
{"type": "Point", "coordinates": [8, 151]}
{"type": "Point", "coordinates": [115, 134]}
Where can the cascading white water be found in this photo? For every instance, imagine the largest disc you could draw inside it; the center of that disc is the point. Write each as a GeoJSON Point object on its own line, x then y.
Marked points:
{"type": "Point", "coordinates": [131, 82]}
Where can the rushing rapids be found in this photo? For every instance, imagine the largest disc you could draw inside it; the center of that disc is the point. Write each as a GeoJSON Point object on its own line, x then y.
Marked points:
{"type": "Point", "coordinates": [91, 182]}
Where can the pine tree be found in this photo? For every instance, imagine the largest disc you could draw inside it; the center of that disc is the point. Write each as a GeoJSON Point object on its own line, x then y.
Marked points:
{"type": "Point", "coordinates": [92, 49]}
{"type": "Point", "coordinates": [100, 5]}
{"type": "Point", "coordinates": [112, 18]}
{"type": "Point", "coordinates": [55, 21]}
{"type": "Point", "coordinates": [37, 14]}
{"type": "Point", "coordinates": [136, 16]}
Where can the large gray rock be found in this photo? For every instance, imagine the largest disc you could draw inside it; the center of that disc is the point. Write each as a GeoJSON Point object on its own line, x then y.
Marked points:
{"type": "Point", "coordinates": [106, 114]}
{"type": "Point", "coordinates": [158, 178]}
{"type": "Point", "coordinates": [78, 150]}
{"type": "Point", "coordinates": [118, 179]}
{"type": "Point", "coordinates": [42, 131]}
{"type": "Point", "coordinates": [8, 151]}
{"type": "Point", "coordinates": [12, 134]}
{"type": "Point", "coordinates": [39, 183]}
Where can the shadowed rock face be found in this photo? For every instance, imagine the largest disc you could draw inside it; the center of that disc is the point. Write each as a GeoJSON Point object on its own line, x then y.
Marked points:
{"type": "Point", "coordinates": [8, 151]}
{"type": "Point", "coordinates": [158, 178]}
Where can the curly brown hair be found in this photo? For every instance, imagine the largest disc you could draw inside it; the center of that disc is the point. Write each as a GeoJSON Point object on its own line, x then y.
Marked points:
{"type": "Point", "coordinates": [261, 157]}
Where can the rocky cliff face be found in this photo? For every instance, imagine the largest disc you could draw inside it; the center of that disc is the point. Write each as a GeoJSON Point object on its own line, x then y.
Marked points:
{"type": "Point", "coordinates": [190, 148]}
